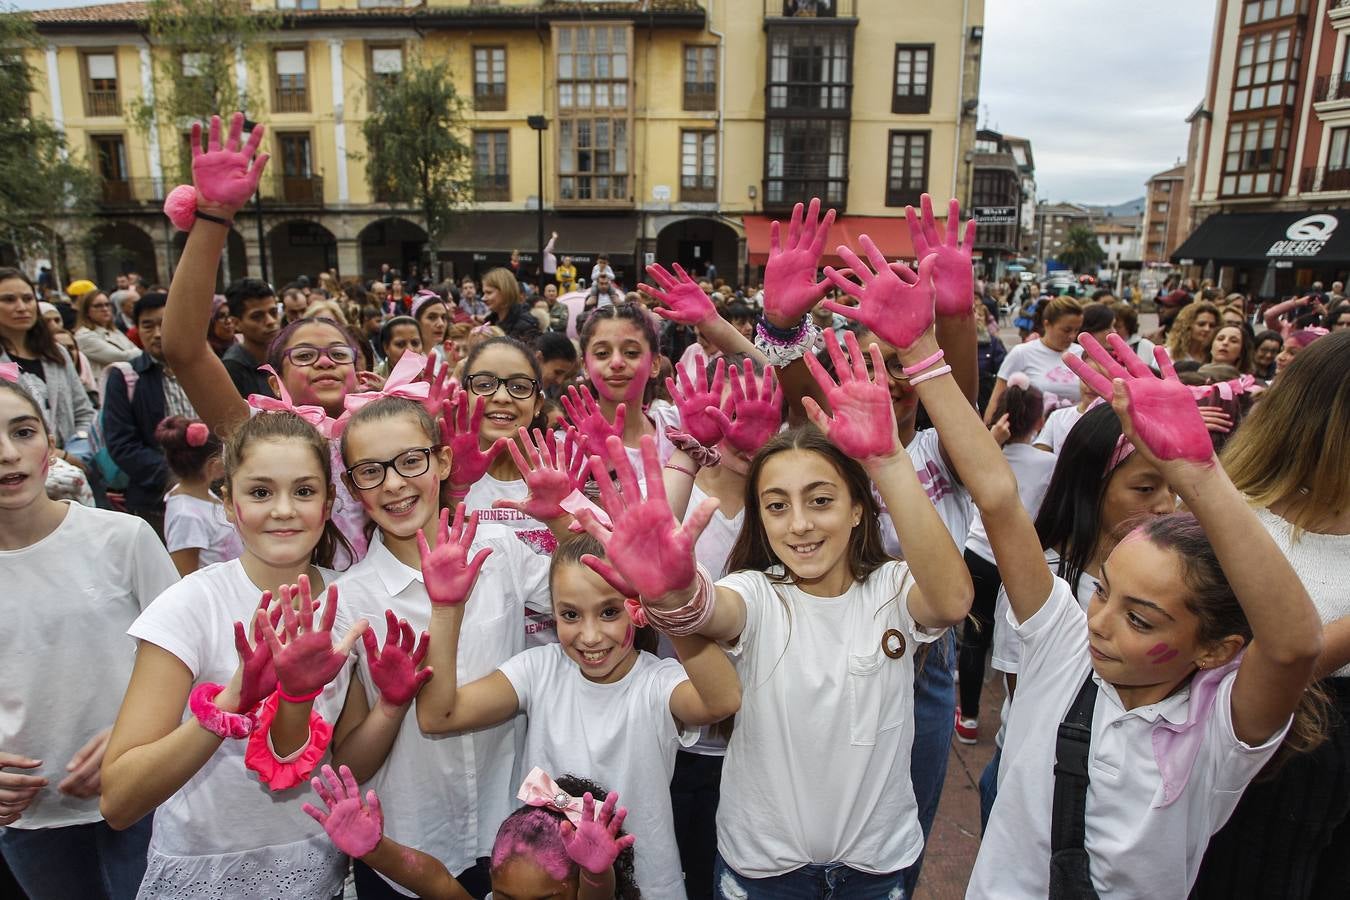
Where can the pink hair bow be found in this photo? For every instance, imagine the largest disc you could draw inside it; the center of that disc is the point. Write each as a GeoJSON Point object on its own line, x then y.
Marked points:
{"type": "Point", "coordinates": [538, 789]}
{"type": "Point", "coordinates": [9, 372]}
{"type": "Point", "coordinates": [1227, 390]}
{"type": "Point", "coordinates": [314, 415]}
{"type": "Point", "coordinates": [402, 382]}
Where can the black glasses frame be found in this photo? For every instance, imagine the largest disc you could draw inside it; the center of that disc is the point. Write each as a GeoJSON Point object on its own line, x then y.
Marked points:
{"type": "Point", "coordinates": [386, 465]}
{"type": "Point", "coordinates": [498, 382]}
{"type": "Point", "coordinates": [322, 351]}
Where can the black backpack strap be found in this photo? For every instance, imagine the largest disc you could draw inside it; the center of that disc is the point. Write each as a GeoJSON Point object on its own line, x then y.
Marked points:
{"type": "Point", "coordinates": [1071, 771]}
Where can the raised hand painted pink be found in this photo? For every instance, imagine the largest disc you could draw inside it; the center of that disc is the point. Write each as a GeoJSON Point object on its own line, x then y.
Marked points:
{"type": "Point", "coordinates": [648, 548]}
{"type": "Point", "coordinates": [953, 274]}
{"type": "Point", "coordinates": [589, 420]}
{"type": "Point", "coordinates": [753, 412]}
{"type": "Point", "coordinates": [684, 301]}
{"type": "Point", "coordinates": [447, 571]}
{"type": "Point", "coordinates": [862, 420]}
{"type": "Point", "coordinates": [225, 174]}
{"type": "Point", "coordinates": [1159, 414]}
{"type": "Point", "coordinates": [551, 472]}
{"type": "Point", "coordinates": [790, 286]}
{"type": "Point", "coordinates": [895, 303]}
{"type": "Point", "coordinates": [309, 660]}
{"type": "Point", "coordinates": [395, 670]}
{"type": "Point", "coordinates": [353, 827]}
{"type": "Point", "coordinates": [694, 399]}
{"type": "Point", "coordinates": [594, 842]}
{"type": "Point", "coordinates": [459, 431]}
{"type": "Point", "coordinates": [259, 674]}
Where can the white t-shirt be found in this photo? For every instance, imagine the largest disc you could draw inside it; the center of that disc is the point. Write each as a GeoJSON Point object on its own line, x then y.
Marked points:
{"type": "Point", "coordinates": [948, 496]}
{"type": "Point", "coordinates": [446, 795]}
{"type": "Point", "coordinates": [1007, 645]}
{"type": "Point", "coordinates": [540, 628]}
{"type": "Point", "coordinates": [1322, 562]}
{"type": "Point", "coordinates": [621, 735]}
{"type": "Point", "coordinates": [224, 833]}
{"type": "Point", "coordinates": [1136, 850]}
{"type": "Point", "coordinates": [817, 770]}
{"type": "Point", "coordinates": [64, 656]}
{"type": "Point", "coordinates": [1046, 369]}
{"type": "Point", "coordinates": [190, 522]}
{"type": "Point", "coordinates": [1033, 469]}
{"type": "Point", "coordinates": [1057, 427]}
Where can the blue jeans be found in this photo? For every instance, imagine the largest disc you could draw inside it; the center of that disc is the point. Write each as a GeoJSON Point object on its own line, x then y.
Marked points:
{"type": "Point", "coordinates": [87, 862]}
{"type": "Point", "coordinates": [832, 882]}
{"type": "Point", "coordinates": [934, 721]}
{"type": "Point", "coordinates": [989, 788]}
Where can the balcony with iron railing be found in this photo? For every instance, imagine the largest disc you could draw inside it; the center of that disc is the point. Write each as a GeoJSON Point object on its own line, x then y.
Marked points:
{"type": "Point", "coordinates": [130, 193]}
{"type": "Point", "coordinates": [494, 186]}
{"type": "Point", "coordinates": [489, 96]}
{"type": "Point", "coordinates": [1320, 178]}
{"type": "Point", "coordinates": [102, 103]}
{"type": "Point", "coordinates": [292, 190]}
{"type": "Point", "coordinates": [290, 100]}
{"type": "Point", "coordinates": [1335, 86]}
{"type": "Point", "coordinates": [810, 9]}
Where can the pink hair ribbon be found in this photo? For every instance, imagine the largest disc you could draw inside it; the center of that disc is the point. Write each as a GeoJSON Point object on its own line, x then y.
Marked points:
{"type": "Point", "coordinates": [314, 415]}
{"type": "Point", "coordinates": [402, 382]}
{"type": "Point", "coordinates": [9, 372]}
{"type": "Point", "coordinates": [1176, 746]}
{"type": "Point", "coordinates": [538, 789]}
{"type": "Point", "coordinates": [1121, 453]}
{"type": "Point", "coordinates": [1227, 390]}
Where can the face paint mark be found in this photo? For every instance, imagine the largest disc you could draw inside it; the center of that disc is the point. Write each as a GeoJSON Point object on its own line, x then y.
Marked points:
{"type": "Point", "coordinates": [1163, 652]}
{"type": "Point", "coordinates": [628, 638]}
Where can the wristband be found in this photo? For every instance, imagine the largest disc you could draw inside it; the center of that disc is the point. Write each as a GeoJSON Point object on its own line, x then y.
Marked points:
{"type": "Point", "coordinates": [280, 774]}
{"type": "Point", "coordinates": [783, 335]}
{"type": "Point", "coordinates": [217, 219]}
{"type": "Point", "coordinates": [202, 703]}
{"type": "Point", "coordinates": [693, 616]}
{"type": "Point", "coordinates": [781, 346]}
{"type": "Point", "coordinates": [703, 457]}
{"type": "Point", "coordinates": [678, 468]}
{"type": "Point", "coordinates": [928, 376]}
{"type": "Point", "coordinates": [289, 699]}
{"type": "Point", "coordinates": [920, 366]}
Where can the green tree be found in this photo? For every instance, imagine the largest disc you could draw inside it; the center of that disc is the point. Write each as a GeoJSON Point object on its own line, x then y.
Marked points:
{"type": "Point", "coordinates": [195, 44]}
{"type": "Point", "coordinates": [1081, 251]}
{"type": "Point", "coordinates": [41, 185]}
{"type": "Point", "coordinates": [417, 152]}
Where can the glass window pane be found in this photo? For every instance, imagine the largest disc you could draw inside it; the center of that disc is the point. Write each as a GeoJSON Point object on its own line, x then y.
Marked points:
{"type": "Point", "coordinates": [104, 65]}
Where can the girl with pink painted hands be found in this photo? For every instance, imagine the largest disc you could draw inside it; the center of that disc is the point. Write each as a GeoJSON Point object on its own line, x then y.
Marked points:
{"type": "Point", "coordinates": [595, 697]}
{"type": "Point", "coordinates": [683, 301]}
{"type": "Point", "coordinates": [397, 462]}
{"type": "Point", "coordinates": [1198, 619]}
{"type": "Point", "coordinates": [574, 862]}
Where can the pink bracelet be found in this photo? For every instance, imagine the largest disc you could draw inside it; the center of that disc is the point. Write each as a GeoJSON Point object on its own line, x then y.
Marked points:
{"type": "Point", "coordinates": [679, 468]}
{"type": "Point", "coordinates": [289, 699]}
{"type": "Point", "coordinates": [928, 376]}
{"type": "Point", "coordinates": [693, 616]}
{"type": "Point", "coordinates": [920, 366]}
{"type": "Point", "coordinates": [202, 703]}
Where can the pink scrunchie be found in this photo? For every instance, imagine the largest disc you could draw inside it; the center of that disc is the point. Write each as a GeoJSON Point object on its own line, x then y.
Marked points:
{"type": "Point", "coordinates": [259, 756]}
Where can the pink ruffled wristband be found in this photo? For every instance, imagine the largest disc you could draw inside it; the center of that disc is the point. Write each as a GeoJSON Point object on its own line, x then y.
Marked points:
{"type": "Point", "coordinates": [202, 703]}
{"type": "Point", "coordinates": [281, 774]}
{"type": "Point", "coordinates": [691, 618]}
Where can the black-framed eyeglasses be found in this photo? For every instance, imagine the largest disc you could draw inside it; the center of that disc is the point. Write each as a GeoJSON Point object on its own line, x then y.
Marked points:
{"type": "Point", "coordinates": [409, 464]}
{"type": "Point", "coordinates": [304, 355]}
{"type": "Point", "coordinates": [518, 386]}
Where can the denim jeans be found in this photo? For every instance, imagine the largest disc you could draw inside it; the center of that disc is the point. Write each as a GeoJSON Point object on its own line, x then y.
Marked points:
{"type": "Point", "coordinates": [830, 882]}
{"type": "Point", "coordinates": [86, 862]}
{"type": "Point", "coordinates": [934, 721]}
{"type": "Point", "coordinates": [989, 788]}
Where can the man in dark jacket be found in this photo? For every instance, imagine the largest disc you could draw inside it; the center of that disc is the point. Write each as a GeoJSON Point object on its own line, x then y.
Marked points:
{"type": "Point", "coordinates": [138, 396]}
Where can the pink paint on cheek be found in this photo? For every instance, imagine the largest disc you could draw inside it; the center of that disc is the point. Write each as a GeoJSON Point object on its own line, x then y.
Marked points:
{"type": "Point", "coordinates": [1163, 652]}
{"type": "Point", "coordinates": [629, 637]}
{"type": "Point", "coordinates": [638, 385]}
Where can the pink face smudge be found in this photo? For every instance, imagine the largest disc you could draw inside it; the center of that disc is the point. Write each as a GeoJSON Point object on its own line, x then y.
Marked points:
{"type": "Point", "coordinates": [628, 638]}
{"type": "Point", "coordinates": [631, 390]}
{"type": "Point", "coordinates": [1163, 653]}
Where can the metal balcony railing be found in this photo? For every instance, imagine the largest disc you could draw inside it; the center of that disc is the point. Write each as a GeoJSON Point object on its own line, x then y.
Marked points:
{"type": "Point", "coordinates": [102, 103]}
{"type": "Point", "coordinates": [290, 100]}
{"type": "Point", "coordinates": [130, 192]}
{"type": "Point", "coordinates": [1321, 178]}
{"type": "Point", "coordinates": [814, 9]}
{"type": "Point", "coordinates": [1335, 86]}
{"type": "Point", "coordinates": [292, 190]}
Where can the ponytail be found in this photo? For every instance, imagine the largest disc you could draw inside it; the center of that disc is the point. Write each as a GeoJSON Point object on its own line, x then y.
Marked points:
{"type": "Point", "coordinates": [1024, 405]}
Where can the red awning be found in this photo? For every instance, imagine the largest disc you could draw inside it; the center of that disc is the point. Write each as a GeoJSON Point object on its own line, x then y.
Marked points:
{"type": "Point", "coordinates": [889, 233]}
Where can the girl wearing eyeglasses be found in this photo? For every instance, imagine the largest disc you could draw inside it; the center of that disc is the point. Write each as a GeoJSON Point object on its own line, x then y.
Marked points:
{"type": "Point", "coordinates": [395, 461]}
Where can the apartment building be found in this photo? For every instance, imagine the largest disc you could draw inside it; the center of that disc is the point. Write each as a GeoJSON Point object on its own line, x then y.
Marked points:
{"type": "Point", "coordinates": [1166, 210]}
{"type": "Point", "coordinates": [996, 202]}
{"type": "Point", "coordinates": [675, 129]}
{"type": "Point", "coordinates": [1269, 168]}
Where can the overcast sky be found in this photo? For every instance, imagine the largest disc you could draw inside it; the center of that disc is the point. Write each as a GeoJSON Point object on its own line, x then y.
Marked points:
{"type": "Point", "coordinates": [1101, 88]}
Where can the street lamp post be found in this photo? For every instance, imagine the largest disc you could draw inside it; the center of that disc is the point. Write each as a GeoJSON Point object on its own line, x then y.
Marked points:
{"type": "Point", "coordinates": [249, 125]}
{"type": "Point", "coordinates": [540, 125]}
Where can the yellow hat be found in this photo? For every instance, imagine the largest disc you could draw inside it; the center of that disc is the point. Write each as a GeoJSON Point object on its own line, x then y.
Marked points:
{"type": "Point", "coordinates": [80, 288]}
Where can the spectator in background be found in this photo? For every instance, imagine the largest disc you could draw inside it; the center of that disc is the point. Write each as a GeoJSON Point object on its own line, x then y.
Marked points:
{"type": "Point", "coordinates": [1098, 320]}
{"type": "Point", "coordinates": [567, 276]}
{"type": "Point", "coordinates": [371, 317]}
{"type": "Point", "coordinates": [506, 308]}
{"type": "Point", "coordinates": [399, 303]}
{"type": "Point", "coordinates": [1127, 326]}
{"type": "Point", "coordinates": [379, 293]}
{"type": "Point", "coordinates": [742, 317]}
{"type": "Point", "coordinates": [1192, 331]}
{"type": "Point", "coordinates": [220, 333]}
{"type": "Point", "coordinates": [137, 397]}
{"type": "Point", "coordinates": [469, 303]}
{"type": "Point", "coordinates": [294, 302]}
{"type": "Point", "coordinates": [1171, 304]}
{"type": "Point", "coordinates": [253, 306]}
{"type": "Point", "coordinates": [601, 267]}
{"type": "Point", "coordinates": [557, 362]}
{"type": "Point", "coordinates": [124, 300]}
{"type": "Point", "coordinates": [603, 292]}
{"type": "Point", "coordinates": [101, 342]}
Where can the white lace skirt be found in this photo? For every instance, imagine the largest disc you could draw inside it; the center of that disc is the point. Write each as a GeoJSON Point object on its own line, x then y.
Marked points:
{"type": "Point", "coordinates": [312, 869]}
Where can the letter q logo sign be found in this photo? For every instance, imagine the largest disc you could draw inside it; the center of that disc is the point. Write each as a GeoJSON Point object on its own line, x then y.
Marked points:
{"type": "Point", "coordinates": [1312, 228]}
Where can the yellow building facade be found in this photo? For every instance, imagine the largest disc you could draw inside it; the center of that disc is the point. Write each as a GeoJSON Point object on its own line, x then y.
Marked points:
{"type": "Point", "coordinates": [675, 129]}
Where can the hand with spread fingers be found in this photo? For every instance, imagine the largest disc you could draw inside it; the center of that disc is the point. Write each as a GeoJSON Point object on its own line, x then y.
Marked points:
{"type": "Point", "coordinates": [694, 399]}
{"type": "Point", "coordinates": [683, 300]}
{"type": "Point", "coordinates": [551, 471]}
{"type": "Point", "coordinates": [354, 827]}
{"type": "Point", "coordinates": [790, 285]}
{"type": "Point", "coordinates": [585, 414]}
{"type": "Point", "coordinates": [463, 416]}
{"type": "Point", "coordinates": [895, 303]}
{"type": "Point", "coordinates": [953, 273]}
{"type": "Point", "coordinates": [448, 572]}
{"type": "Point", "coordinates": [396, 670]}
{"type": "Point", "coordinates": [753, 411]}
{"type": "Point", "coordinates": [226, 174]}
{"type": "Point", "coordinates": [594, 843]}
{"type": "Point", "coordinates": [862, 419]}
{"type": "Point", "coordinates": [309, 659]}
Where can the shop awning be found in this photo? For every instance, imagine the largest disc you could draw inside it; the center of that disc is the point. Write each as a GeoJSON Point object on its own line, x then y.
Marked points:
{"type": "Point", "coordinates": [1300, 238]}
{"type": "Point", "coordinates": [889, 233]}
{"type": "Point", "coordinates": [486, 231]}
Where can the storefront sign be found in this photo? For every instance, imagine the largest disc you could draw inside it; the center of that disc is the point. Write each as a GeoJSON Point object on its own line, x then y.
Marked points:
{"type": "Point", "coordinates": [995, 215]}
{"type": "Point", "coordinates": [1306, 237]}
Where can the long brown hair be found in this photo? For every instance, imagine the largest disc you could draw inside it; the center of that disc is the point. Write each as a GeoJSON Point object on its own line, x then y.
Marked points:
{"type": "Point", "coordinates": [286, 426]}
{"type": "Point", "coordinates": [1296, 442]}
{"type": "Point", "coordinates": [865, 553]}
{"type": "Point", "coordinates": [1179, 337]}
{"type": "Point", "coordinates": [39, 337]}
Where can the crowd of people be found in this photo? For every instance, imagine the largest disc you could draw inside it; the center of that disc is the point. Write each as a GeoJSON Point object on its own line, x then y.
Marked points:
{"type": "Point", "coordinates": [489, 588]}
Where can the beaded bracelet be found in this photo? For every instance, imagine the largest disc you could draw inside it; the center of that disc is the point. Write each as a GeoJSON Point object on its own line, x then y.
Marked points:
{"type": "Point", "coordinates": [783, 346]}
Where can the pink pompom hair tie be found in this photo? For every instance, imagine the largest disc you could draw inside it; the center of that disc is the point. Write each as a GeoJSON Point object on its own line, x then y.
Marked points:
{"type": "Point", "coordinates": [198, 434]}
{"type": "Point", "coordinates": [181, 207]}
{"type": "Point", "coordinates": [1019, 380]}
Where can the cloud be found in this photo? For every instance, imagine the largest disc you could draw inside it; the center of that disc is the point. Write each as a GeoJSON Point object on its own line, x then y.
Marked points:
{"type": "Point", "coordinates": [1101, 89]}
